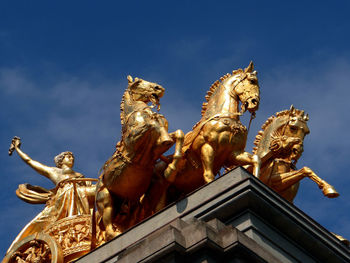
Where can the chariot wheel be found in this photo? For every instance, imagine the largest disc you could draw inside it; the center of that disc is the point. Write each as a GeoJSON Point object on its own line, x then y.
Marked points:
{"type": "Point", "coordinates": [35, 248]}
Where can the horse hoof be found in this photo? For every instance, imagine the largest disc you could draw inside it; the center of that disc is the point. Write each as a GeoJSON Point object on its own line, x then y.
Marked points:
{"type": "Point", "coordinates": [330, 192]}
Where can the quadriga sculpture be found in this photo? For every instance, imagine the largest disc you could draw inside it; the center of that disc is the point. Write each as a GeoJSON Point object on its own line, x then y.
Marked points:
{"type": "Point", "coordinates": [127, 175]}
{"type": "Point", "coordinates": [279, 145]}
{"type": "Point", "coordinates": [219, 138]}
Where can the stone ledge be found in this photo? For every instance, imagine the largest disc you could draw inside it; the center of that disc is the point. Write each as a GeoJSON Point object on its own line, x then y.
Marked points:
{"type": "Point", "coordinates": [226, 199]}
{"type": "Point", "coordinates": [190, 238]}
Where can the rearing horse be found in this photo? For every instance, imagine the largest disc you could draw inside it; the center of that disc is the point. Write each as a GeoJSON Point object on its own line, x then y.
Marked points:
{"type": "Point", "coordinates": [219, 138]}
{"type": "Point", "coordinates": [279, 145]}
{"type": "Point", "coordinates": [126, 176]}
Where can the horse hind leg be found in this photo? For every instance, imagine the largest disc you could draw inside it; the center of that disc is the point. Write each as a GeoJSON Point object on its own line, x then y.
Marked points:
{"type": "Point", "coordinates": [245, 158]}
{"type": "Point", "coordinates": [104, 203]}
{"type": "Point", "coordinates": [257, 165]}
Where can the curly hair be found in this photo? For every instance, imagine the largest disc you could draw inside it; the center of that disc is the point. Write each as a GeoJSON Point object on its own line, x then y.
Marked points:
{"type": "Point", "coordinates": [59, 158]}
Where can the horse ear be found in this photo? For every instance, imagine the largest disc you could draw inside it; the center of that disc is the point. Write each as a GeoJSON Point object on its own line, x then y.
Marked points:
{"type": "Point", "coordinates": [250, 67]}
{"type": "Point", "coordinates": [292, 109]}
{"type": "Point", "coordinates": [134, 84]}
{"type": "Point", "coordinates": [129, 79]}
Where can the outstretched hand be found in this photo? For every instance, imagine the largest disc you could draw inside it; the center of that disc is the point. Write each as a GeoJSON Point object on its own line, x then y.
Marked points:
{"type": "Point", "coordinates": [15, 143]}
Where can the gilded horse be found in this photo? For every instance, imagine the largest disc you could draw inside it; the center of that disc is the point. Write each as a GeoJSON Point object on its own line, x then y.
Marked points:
{"type": "Point", "coordinates": [219, 138]}
{"type": "Point", "coordinates": [127, 175]}
{"type": "Point", "coordinates": [279, 145]}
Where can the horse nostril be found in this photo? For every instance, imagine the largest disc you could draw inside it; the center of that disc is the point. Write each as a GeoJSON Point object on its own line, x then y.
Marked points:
{"type": "Point", "coordinates": [254, 101]}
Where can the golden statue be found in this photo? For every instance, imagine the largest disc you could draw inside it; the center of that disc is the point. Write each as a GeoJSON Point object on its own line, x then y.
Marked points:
{"type": "Point", "coordinates": [138, 180]}
{"type": "Point", "coordinates": [127, 175]}
{"type": "Point", "coordinates": [68, 209]}
{"type": "Point", "coordinates": [279, 145]}
{"type": "Point", "coordinates": [219, 138]}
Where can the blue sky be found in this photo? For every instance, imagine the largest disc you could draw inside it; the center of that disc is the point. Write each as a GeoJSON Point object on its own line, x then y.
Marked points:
{"type": "Point", "coordinates": [63, 68]}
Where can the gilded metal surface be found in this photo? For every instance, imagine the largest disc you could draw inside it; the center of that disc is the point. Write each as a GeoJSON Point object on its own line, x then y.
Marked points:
{"type": "Point", "coordinates": [36, 248]}
{"type": "Point", "coordinates": [73, 234]}
{"type": "Point", "coordinates": [138, 180]}
{"type": "Point", "coordinates": [342, 239]}
{"type": "Point", "coordinates": [219, 138]}
{"type": "Point", "coordinates": [71, 200]}
{"type": "Point", "coordinates": [280, 145]}
{"type": "Point", "coordinates": [127, 175]}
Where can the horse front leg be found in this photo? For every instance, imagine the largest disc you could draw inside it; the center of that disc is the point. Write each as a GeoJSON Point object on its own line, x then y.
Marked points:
{"type": "Point", "coordinates": [207, 158]}
{"type": "Point", "coordinates": [171, 170]}
{"type": "Point", "coordinates": [282, 181]}
{"type": "Point", "coordinates": [327, 189]}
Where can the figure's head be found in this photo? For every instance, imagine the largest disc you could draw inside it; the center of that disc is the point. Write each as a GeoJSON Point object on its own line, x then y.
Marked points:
{"type": "Point", "coordinates": [142, 90]}
{"type": "Point", "coordinates": [247, 88]}
{"type": "Point", "coordinates": [64, 158]}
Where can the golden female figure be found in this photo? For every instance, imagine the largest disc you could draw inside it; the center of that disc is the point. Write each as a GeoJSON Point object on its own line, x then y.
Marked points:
{"type": "Point", "coordinates": [73, 195]}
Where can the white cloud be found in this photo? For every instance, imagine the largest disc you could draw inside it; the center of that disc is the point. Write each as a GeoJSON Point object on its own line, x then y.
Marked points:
{"type": "Point", "coordinates": [14, 81]}
{"type": "Point", "coordinates": [322, 92]}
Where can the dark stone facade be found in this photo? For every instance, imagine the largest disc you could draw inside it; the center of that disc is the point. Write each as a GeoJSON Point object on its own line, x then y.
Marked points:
{"type": "Point", "coordinates": [234, 219]}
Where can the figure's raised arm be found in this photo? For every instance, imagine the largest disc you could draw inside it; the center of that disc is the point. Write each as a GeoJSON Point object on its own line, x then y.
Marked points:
{"type": "Point", "coordinates": [37, 166]}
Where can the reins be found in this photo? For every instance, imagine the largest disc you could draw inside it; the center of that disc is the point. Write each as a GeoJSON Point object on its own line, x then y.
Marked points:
{"type": "Point", "coordinates": [252, 117]}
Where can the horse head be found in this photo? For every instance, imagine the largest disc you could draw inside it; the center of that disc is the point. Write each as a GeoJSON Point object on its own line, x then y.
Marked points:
{"type": "Point", "coordinates": [245, 85]}
{"type": "Point", "coordinates": [145, 91]}
{"type": "Point", "coordinates": [137, 95]}
{"type": "Point", "coordinates": [283, 134]}
{"type": "Point", "coordinates": [297, 124]}
{"type": "Point", "coordinates": [141, 92]}
{"type": "Point", "coordinates": [225, 94]}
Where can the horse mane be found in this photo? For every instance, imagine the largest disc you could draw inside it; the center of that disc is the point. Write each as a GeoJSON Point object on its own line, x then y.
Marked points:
{"type": "Point", "coordinates": [212, 90]}
{"type": "Point", "coordinates": [267, 123]}
{"type": "Point", "coordinates": [122, 107]}
{"type": "Point", "coordinates": [217, 83]}
{"type": "Point", "coordinates": [131, 82]}
{"type": "Point", "coordinates": [214, 87]}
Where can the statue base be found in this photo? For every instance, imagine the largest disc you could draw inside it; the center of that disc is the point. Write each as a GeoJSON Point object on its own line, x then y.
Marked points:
{"type": "Point", "coordinates": [236, 218]}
